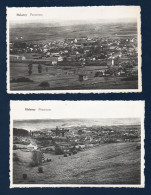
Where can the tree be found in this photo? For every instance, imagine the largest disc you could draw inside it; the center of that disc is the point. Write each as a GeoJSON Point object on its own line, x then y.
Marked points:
{"type": "Point", "coordinates": [30, 66]}
{"type": "Point", "coordinates": [39, 68]}
{"type": "Point", "coordinates": [58, 150]}
{"type": "Point", "coordinates": [36, 158]}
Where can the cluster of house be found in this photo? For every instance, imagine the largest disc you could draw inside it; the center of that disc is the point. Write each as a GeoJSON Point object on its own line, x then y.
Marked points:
{"type": "Point", "coordinates": [80, 51]}
{"type": "Point", "coordinates": [79, 138]}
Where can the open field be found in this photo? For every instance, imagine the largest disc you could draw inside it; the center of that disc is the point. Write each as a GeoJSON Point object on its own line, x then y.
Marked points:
{"type": "Point", "coordinates": [115, 163]}
{"type": "Point", "coordinates": [66, 78]}
{"type": "Point", "coordinates": [44, 33]}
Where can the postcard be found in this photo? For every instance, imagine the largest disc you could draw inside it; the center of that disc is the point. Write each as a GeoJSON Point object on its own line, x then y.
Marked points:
{"type": "Point", "coordinates": [94, 49]}
{"type": "Point", "coordinates": [77, 144]}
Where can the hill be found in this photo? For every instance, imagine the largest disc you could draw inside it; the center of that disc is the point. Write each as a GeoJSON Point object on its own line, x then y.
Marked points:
{"type": "Point", "coordinates": [116, 163]}
{"type": "Point", "coordinates": [20, 132]}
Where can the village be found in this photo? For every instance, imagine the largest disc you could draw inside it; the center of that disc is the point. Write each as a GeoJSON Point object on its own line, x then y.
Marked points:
{"type": "Point", "coordinates": [68, 141]}
{"type": "Point", "coordinates": [120, 53]}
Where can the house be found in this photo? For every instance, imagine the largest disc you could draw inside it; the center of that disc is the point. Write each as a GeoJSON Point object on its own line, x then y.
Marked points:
{"type": "Point", "coordinates": [110, 62]}
{"type": "Point", "coordinates": [45, 50]}
{"type": "Point", "coordinates": [60, 59]}
{"type": "Point", "coordinates": [80, 146]}
{"type": "Point", "coordinates": [112, 48]}
{"type": "Point", "coordinates": [117, 54]}
{"type": "Point", "coordinates": [83, 77]}
{"type": "Point", "coordinates": [55, 54]}
{"type": "Point", "coordinates": [35, 133]}
{"type": "Point", "coordinates": [48, 54]}
{"type": "Point", "coordinates": [16, 58]}
{"type": "Point", "coordinates": [31, 49]}
{"type": "Point", "coordinates": [31, 147]}
{"type": "Point", "coordinates": [122, 72]}
{"type": "Point", "coordinates": [69, 73]}
{"type": "Point", "coordinates": [101, 72]}
{"type": "Point", "coordinates": [54, 62]}
{"type": "Point", "coordinates": [66, 51]}
{"type": "Point", "coordinates": [22, 57]}
{"type": "Point", "coordinates": [75, 40]}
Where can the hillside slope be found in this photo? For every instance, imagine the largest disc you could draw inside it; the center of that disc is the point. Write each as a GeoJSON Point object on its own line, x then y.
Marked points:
{"type": "Point", "coordinates": [117, 163]}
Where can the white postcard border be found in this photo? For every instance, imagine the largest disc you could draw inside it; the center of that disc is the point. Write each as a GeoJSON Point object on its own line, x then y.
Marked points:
{"type": "Point", "coordinates": [142, 185]}
{"type": "Point", "coordinates": [83, 91]}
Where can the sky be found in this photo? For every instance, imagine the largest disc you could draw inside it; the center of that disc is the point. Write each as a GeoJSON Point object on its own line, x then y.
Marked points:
{"type": "Point", "coordinates": [73, 13]}
{"type": "Point", "coordinates": [76, 109]}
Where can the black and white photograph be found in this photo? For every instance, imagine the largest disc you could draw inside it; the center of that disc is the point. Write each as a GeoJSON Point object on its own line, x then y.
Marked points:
{"type": "Point", "coordinates": [93, 49]}
{"type": "Point", "coordinates": [77, 144]}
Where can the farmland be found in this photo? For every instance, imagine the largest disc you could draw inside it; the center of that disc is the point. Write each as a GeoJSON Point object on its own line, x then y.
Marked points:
{"type": "Point", "coordinates": [59, 78]}
{"type": "Point", "coordinates": [48, 32]}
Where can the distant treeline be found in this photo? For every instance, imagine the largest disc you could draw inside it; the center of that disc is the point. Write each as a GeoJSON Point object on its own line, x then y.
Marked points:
{"type": "Point", "coordinates": [20, 132]}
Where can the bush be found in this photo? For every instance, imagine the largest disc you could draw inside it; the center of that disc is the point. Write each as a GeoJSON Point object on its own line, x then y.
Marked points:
{"type": "Point", "coordinates": [14, 147]}
{"type": "Point", "coordinates": [44, 84]}
{"type": "Point", "coordinates": [40, 170]}
{"type": "Point", "coordinates": [32, 164]}
{"type": "Point", "coordinates": [36, 158]}
{"type": "Point", "coordinates": [16, 158]}
{"type": "Point", "coordinates": [24, 176]}
{"type": "Point", "coordinates": [74, 152]}
{"type": "Point", "coordinates": [58, 150]}
{"type": "Point", "coordinates": [138, 147]}
{"type": "Point", "coordinates": [48, 159]}
{"type": "Point", "coordinates": [65, 155]}
{"type": "Point", "coordinates": [98, 74]}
